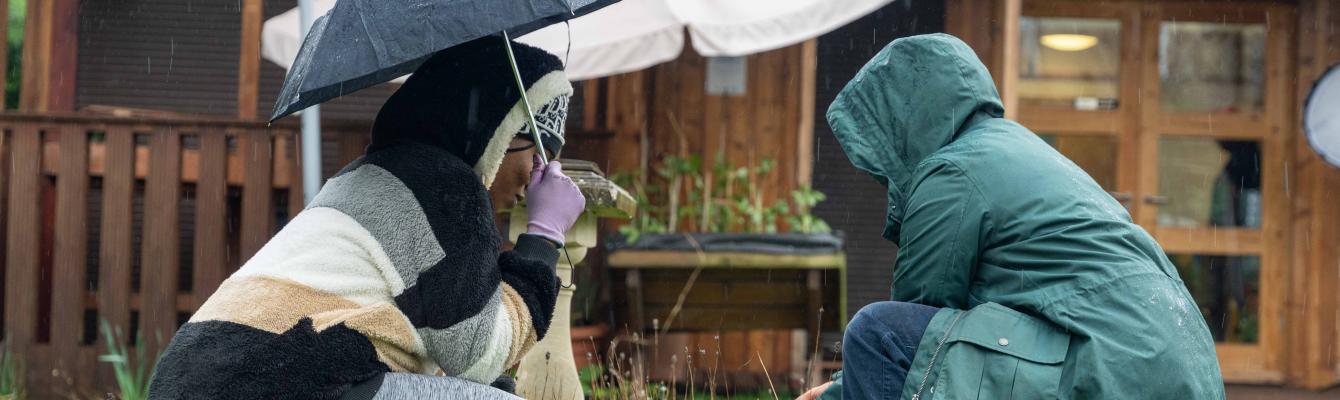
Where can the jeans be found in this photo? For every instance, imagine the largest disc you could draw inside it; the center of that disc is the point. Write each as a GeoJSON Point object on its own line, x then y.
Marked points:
{"type": "Point", "coordinates": [878, 348]}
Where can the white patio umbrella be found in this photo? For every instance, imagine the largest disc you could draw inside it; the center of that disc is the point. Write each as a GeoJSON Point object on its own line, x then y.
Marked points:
{"type": "Point", "coordinates": [281, 36]}
{"type": "Point", "coordinates": [635, 34]}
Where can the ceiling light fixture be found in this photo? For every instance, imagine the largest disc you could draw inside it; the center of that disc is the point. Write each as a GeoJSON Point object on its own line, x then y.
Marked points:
{"type": "Point", "coordinates": [1069, 42]}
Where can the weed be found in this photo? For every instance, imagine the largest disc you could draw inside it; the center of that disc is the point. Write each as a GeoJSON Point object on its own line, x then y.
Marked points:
{"type": "Point", "coordinates": [133, 372]}
{"type": "Point", "coordinates": [11, 374]}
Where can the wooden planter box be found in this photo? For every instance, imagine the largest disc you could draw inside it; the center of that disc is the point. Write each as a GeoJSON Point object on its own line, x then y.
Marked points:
{"type": "Point", "coordinates": [752, 298]}
{"type": "Point", "coordinates": [734, 289]}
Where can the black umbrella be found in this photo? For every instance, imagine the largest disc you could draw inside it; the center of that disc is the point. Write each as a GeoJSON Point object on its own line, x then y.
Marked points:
{"type": "Point", "coordinates": [361, 43]}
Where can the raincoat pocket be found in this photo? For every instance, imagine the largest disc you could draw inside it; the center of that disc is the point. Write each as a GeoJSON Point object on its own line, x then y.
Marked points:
{"type": "Point", "coordinates": [1000, 353]}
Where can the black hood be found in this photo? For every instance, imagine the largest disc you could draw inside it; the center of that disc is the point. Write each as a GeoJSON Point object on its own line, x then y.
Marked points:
{"type": "Point", "coordinates": [461, 96]}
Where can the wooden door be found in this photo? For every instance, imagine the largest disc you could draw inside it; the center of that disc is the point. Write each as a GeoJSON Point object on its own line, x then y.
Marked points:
{"type": "Point", "coordinates": [1181, 110]}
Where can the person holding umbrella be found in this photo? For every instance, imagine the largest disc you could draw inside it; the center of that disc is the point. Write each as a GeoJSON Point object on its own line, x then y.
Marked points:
{"type": "Point", "coordinates": [394, 273]}
{"type": "Point", "coordinates": [1017, 276]}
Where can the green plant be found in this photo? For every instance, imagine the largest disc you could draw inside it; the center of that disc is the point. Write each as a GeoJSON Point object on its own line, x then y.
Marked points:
{"type": "Point", "coordinates": [14, 47]}
{"type": "Point", "coordinates": [802, 221]}
{"type": "Point", "coordinates": [130, 370]}
{"type": "Point", "coordinates": [647, 218]}
{"type": "Point", "coordinates": [11, 373]}
{"type": "Point", "coordinates": [684, 182]}
{"type": "Point", "coordinates": [682, 198]}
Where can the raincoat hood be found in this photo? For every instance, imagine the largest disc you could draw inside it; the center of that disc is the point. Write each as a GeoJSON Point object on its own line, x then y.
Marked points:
{"type": "Point", "coordinates": [914, 97]}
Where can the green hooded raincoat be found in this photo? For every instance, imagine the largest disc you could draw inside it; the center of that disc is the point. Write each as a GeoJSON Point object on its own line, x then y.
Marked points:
{"type": "Point", "coordinates": [1048, 289]}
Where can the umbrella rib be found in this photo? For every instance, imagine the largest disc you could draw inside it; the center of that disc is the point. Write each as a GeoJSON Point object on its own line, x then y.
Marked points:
{"type": "Point", "coordinates": [525, 101]}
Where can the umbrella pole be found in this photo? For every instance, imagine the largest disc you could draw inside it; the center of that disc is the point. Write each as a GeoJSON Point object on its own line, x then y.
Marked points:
{"type": "Point", "coordinates": [311, 126]}
{"type": "Point", "coordinates": [558, 368]}
{"type": "Point", "coordinates": [525, 102]}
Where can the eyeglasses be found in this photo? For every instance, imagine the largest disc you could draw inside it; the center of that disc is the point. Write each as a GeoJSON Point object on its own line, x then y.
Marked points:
{"type": "Point", "coordinates": [522, 148]}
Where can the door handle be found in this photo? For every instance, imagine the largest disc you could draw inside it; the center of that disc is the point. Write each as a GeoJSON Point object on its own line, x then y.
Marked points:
{"type": "Point", "coordinates": [1122, 196]}
{"type": "Point", "coordinates": [1157, 200]}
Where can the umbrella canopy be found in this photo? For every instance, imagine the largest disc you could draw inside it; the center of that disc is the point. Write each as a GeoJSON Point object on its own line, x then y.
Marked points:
{"type": "Point", "coordinates": [636, 34]}
{"type": "Point", "coordinates": [360, 43]}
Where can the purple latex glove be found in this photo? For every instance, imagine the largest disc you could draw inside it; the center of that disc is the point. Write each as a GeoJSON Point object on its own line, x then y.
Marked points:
{"type": "Point", "coordinates": [553, 201]}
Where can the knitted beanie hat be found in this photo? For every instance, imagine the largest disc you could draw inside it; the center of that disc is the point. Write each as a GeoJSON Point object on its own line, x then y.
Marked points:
{"type": "Point", "coordinates": [464, 99]}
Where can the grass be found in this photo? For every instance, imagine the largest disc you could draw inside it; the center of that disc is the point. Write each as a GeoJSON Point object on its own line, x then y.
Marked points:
{"type": "Point", "coordinates": [624, 377]}
{"type": "Point", "coordinates": [599, 385]}
{"type": "Point", "coordinates": [11, 373]}
{"type": "Point", "coordinates": [132, 371]}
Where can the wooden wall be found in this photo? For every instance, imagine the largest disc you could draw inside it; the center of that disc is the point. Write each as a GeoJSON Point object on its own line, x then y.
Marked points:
{"type": "Point", "coordinates": [48, 59]}
{"type": "Point", "coordinates": [201, 58]}
{"type": "Point", "coordinates": [1314, 305]}
{"type": "Point", "coordinates": [665, 110]}
{"type": "Point", "coordinates": [987, 25]}
{"type": "Point", "coordinates": [174, 56]}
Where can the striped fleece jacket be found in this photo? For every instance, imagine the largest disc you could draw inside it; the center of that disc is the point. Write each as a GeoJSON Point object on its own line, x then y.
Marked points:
{"type": "Point", "coordinates": [393, 274]}
{"type": "Point", "coordinates": [361, 282]}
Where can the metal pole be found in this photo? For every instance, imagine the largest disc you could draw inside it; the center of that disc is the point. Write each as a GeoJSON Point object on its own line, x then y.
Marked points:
{"type": "Point", "coordinates": [525, 102]}
{"type": "Point", "coordinates": [558, 343]}
{"type": "Point", "coordinates": [311, 124]}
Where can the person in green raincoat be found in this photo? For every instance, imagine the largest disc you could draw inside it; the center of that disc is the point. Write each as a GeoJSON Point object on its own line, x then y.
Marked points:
{"type": "Point", "coordinates": [1017, 276]}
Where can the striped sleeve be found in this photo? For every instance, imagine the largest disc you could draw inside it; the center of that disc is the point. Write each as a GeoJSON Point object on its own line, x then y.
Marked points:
{"type": "Point", "coordinates": [518, 314]}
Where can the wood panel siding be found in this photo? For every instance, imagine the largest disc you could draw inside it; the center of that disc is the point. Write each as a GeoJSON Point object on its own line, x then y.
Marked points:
{"type": "Point", "coordinates": [683, 119]}
{"type": "Point", "coordinates": [160, 54]}
{"type": "Point", "coordinates": [36, 58]}
{"type": "Point", "coordinates": [61, 71]}
{"type": "Point", "coordinates": [1314, 302]}
{"type": "Point", "coordinates": [185, 57]}
{"type": "Point", "coordinates": [249, 59]}
{"type": "Point", "coordinates": [991, 28]}
{"type": "Point", "coordinates": [666, 111]}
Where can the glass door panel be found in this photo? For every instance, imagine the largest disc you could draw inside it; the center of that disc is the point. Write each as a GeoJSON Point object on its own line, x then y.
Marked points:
{"type": "Point", "coordinates": [1211, 67]}
{"type": "Point", "coordinates": [1207, 169]}
{"type": "Point", "coordinates": [1206, 182]}
{"type": "Point", "coordinates": [1069, 62]}
{"type": "Point", "coordinates": [1227, 289]}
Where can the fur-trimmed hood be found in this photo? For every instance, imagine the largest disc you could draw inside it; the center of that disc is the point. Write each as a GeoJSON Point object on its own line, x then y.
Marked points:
{"type": "Point", "coordinates": [464, 99]}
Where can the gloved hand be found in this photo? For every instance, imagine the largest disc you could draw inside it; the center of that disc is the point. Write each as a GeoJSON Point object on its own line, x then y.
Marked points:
{"type": "Point", "coordinates": [553, 201]}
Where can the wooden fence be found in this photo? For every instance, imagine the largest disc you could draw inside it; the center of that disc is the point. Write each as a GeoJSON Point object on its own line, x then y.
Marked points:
{"type": "Point", "coordinates": [134, 222]}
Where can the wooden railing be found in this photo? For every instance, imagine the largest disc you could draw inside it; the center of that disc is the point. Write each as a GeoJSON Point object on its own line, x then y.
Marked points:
{"type": "Point", "coordinates": [133, 222]}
